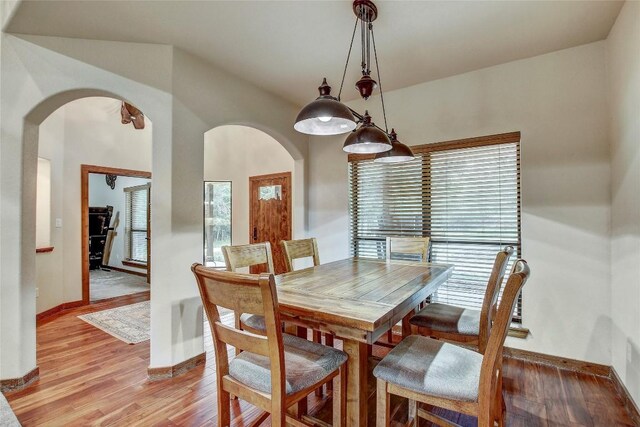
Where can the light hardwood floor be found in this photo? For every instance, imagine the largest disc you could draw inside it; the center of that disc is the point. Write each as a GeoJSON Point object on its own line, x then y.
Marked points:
{"type": "Point", "coordinates": [90, 378]}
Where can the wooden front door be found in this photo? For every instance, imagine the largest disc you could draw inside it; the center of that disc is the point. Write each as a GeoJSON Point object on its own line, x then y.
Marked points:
{"type": "Point", "coordinates": [270, 214]}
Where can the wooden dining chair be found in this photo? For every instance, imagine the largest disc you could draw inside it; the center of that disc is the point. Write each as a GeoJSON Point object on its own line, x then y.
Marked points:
{"type": "Point", "coordinates": [448, 376]}
{"type": "Point", "coordinates": [464, 325]}
{"type": "Point", "coordinates": [274, 371]}
{"type": "Point", "coordinates": [406, 248]}
{"type": "Point", "coordinates": [302, 248]}
{"type": "Point", "coordinates": [305, 248]}
{"type": "Point", "coordinates": [416, 248]}
{"type": "Point", "coordinates": [241, 256]}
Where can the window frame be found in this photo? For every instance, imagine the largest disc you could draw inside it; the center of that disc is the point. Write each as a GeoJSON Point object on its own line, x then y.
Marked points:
{"type": "Point", "coordinates": [424, 151]}
{"type": "Point", "coordinates": [204, 216]}
{"type": "Point", "coordinates": [129, 230]}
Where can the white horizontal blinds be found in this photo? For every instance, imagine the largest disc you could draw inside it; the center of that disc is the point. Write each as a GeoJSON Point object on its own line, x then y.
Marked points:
{"type": "Point", "coordinates": [136, 205]}
{"type": "Point", "coordinates": [475, 211]}
{"type": "Point", "coordinates": [385, 200]}
{"type": "Point", "coordinates": [464, 196]}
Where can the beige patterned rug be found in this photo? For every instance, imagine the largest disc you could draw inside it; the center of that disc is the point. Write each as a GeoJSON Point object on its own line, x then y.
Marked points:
{"type": "Point", "coordinates": [130, 323]}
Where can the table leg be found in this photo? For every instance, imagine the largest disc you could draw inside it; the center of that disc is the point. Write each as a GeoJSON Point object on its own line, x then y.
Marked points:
{"type": "Point", "coordinates": [356, 382]}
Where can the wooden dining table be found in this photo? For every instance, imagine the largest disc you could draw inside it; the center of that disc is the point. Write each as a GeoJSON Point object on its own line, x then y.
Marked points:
{"type": "Point", "coordinates": [358, 300]}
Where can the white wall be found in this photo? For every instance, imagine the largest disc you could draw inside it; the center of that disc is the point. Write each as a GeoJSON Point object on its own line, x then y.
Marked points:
{"type": "Point", "coordinates": [85, 131]}
{"type": "Point", "coordinates": [49, 264]}
{"type": "Point", "coordinates": [234, 153]}
{"type": "Point", "coordinates": [100, 194]}
{"type": "Point", "coordinates": [185, 97]}
{"type": "Point", "coordinates": [623, 48]}
{"type": "Point", "coordinates": [559, 103]}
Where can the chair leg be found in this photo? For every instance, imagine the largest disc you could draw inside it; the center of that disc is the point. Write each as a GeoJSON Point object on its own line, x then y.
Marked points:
{"type": "Point", "coordinates": [224, 408]}
{"type": "Point", "coordinates": [390, 336]}
{"type": "Point", "coordinates": [328, 341]}
{"type": "Point", "coordinates": [317, 337]}
{"type": "Point", "coordinates": [340, 398]}
{"type": "Point", "coordinates": [413, 412]}
{"type": "Point", "coordinates": [236, 316]}
{"type": "Point", "coordinates": [500, 406]}
{"type": "Point", "coordinates": [383, 409]}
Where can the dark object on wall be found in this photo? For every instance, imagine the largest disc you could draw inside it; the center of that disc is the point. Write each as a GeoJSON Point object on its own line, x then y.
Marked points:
{"type": "Point", "coordinates": [99, 219]}
{"type": "Point", "coordinates": [131, 114]}
{"type": "Point", "coordinates": [111, 180]}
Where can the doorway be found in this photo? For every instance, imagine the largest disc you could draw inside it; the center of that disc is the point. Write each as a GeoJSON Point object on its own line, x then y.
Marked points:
{"type": "Point", "coordinates": [116, 231]}
{"type": "Point", "coordinates": [270, 214]}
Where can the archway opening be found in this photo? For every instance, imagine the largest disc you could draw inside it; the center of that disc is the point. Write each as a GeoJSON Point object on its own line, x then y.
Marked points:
{"type": "Point", "coordinates": [235, 158]}
{"type": "Point", "coordinates": [88, 132]}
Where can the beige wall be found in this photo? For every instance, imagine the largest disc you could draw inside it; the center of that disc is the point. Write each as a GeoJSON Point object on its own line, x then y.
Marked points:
{"type": "Point", "coordinates": [623, 47]}
{"type": "Point", "coordinates": [559, 103]}
{"type": "Point", "coordinates": [234, 153]}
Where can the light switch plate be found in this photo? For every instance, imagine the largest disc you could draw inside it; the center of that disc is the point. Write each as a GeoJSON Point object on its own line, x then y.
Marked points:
{"type": "Point", "coordinates": [58, 222]}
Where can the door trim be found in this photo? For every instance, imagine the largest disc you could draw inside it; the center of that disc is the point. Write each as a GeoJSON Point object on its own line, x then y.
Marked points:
{"type": "Point", "coordinates": [85, 170]}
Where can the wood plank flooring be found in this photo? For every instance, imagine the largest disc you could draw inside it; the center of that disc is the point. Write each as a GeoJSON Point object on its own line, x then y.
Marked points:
{"type": "Point", "coordinates": [88, 377]}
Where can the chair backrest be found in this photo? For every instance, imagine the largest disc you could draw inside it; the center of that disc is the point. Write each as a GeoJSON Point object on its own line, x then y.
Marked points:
{"type": "Point", "coordinates": [490, 301]}
{"type": "Point", "coordinates": [247, 255]}
{"type": "Point", "coordinates": [245, 293]}
{"type": "Point", "coordinates": [408, 246]}
{"type": "Point", "coordinates": [303, 248]}
{"type": "Point", "coordinates": [492, 359]}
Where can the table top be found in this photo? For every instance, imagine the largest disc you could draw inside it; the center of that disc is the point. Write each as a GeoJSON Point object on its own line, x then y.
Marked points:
{"type": "Point", "coordinates": [358, 293]}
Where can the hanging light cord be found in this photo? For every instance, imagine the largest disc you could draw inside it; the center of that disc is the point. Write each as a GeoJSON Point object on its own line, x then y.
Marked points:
{"type": "Point", "coordinates": [375, 55]}
{"type": "Point", "coordinates": [344, 73]}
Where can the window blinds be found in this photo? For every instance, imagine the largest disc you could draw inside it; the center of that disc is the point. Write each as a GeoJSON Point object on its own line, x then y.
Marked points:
{"type": "Point", "coordinates": [464, 196]}
{"type": "Point", "coordinates": [136, 205]}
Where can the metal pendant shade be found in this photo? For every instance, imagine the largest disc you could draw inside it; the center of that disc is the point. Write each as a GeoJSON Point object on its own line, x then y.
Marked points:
{"type": "Point", "coordinates": [368, 139]}
{"type": "Point", "coordinates": [328, 116]}
{"type": "Point", "coordinates": [325, 116]}
{"type": "Point", "coordinates": [399, 152]}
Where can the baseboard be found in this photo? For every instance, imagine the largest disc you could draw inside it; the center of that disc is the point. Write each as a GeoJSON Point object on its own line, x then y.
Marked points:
{"type": "Point", "coordinates": [124, 270]}
{"type": "Point", "coordinates": [558, 362]}
{"type": "Point", "coordinates": [58, 308]}
{"type": "Point", "coordinates": [629, 403]}
{"type": "Point", "coordinates": [156, 374]}
{"type": "Point", "coordinates": [14, 384]}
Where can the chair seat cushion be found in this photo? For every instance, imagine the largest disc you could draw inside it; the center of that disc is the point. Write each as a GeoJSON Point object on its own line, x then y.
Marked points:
{"type": "Point", "coordinates": [432, 367]}
{"type": "Point", "coordinates": [253, 321]}
{"type": "Point", "coordinates": [306, 363]}
{"type": "Point", "coordinates": [448, 318]}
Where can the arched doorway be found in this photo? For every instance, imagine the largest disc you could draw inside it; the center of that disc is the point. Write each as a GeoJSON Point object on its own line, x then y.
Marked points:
{"type": "Point", "coordinates": [236, 155]}
{"type": "Point", "coordinates": [83, 141]}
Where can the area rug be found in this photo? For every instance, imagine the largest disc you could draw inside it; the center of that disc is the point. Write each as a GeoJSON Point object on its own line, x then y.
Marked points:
{"type": "Point", "coordinates": [7, 417]}
{"type": "Point", "coordinates": [130, 323]}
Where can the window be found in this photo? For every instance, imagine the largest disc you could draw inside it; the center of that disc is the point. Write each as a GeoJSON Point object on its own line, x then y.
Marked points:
{"type": "Point", "coordinates": [464, 195]}
{"type": "Point", "coordinates": [217, 221]}
{"type": "Point", "coordinates": [136, 217]}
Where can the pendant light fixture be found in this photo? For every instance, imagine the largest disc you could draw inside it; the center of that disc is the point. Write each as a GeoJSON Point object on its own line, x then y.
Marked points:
{"type": "Point", "coordinates": [367, 139]}
{"type": "Point", "coordinates": [399, 152]}
{"type": "Point", "coordinates": [327, 115]}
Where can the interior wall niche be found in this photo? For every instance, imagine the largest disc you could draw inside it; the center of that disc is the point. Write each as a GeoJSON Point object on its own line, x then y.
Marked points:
{"type": "Point", "coordinates": [43, 204]}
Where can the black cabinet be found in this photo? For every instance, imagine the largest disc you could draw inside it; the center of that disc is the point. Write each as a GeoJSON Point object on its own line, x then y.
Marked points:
{"type": "Point", "coordinates": [99, 220]}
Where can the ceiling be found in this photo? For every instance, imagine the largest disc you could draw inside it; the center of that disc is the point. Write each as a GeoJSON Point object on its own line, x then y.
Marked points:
{"type": "Point", "coordinates": [287, 47]}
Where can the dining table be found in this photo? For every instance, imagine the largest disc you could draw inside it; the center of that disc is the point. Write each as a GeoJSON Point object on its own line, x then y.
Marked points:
{"type": "Point", "coordinates": [358, 300]}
